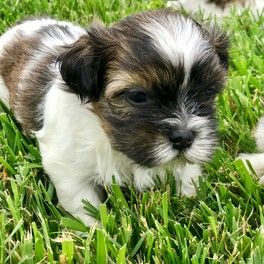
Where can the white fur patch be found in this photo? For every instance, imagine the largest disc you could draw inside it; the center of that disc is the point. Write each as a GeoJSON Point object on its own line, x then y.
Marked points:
{"type": "Point", "coordinates": [256, 161]}
{"type": "Point", "coordinates": [189, 179]}
{"type": "Point", "coordinates": [178, 39]}
{"type": "Point", "coordinates": [259, 135]}
{"type": "Point", "coordinates": [4, 95]}
{"type": "Point", "coordinates": [204, 141]}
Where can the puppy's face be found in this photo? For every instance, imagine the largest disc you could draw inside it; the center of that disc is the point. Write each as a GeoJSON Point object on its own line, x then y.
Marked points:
{"type": "Point", "coordinates": [152, 79]}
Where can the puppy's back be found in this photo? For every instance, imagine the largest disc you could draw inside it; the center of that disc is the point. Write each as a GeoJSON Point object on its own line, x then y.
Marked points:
{"type": "Point", "coordinates": [28, 54]}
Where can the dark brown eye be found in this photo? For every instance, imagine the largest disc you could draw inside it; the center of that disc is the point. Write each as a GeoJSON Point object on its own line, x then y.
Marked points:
{"type": "Point", "coordinates": [137, 97]}
{"type": "Point", "coordinates": [211, 91]}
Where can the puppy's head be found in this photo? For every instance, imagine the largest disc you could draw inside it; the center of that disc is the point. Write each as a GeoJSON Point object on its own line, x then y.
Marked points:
{"type": "Point", "coordinates": [152, 79]}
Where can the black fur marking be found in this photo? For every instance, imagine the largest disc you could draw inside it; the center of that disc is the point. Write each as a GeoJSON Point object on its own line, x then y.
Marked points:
{"type": "Point", "coordinates": [82, 67]}
{"type": "Point", "coordinates": [168, 89]}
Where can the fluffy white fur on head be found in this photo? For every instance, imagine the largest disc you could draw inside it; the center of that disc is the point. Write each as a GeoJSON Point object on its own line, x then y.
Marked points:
{"type": "Point", "coordinates": [184, 42]}
{"type": "Point", "coordinates": [132, 101]}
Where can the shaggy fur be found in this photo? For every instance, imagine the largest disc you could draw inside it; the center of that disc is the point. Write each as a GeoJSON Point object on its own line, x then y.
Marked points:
{"type": "Point", "coordinates": [132, 101]}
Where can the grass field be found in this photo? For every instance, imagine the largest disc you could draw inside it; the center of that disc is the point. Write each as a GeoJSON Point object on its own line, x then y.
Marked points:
{"type": "Point", "coordinates": [223, 224]}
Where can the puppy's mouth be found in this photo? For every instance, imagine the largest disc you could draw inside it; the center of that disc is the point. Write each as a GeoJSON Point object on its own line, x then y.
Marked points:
{"type": "Point", "coordinates": [182, 155]}
{"type": "Point", "coordinates": [168, 153]}
{"type": "Point", "coordinates": [172, 158]}
{"type": "Point", "coordinates": [197, 152]}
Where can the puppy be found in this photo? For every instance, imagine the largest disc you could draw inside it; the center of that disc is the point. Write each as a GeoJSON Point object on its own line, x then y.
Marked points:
{"type": "Point", "coordinates": [129, 101]}
{"type": "Point", "coordinates": [217, 7]}
{"type": "Point", "coordinates": [257, 160]}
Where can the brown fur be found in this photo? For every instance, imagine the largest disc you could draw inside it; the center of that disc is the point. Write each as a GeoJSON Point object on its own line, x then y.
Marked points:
{"type": "Point", "coordinates": [12, 62]}
{"type": "Point", "coordinates": [25, 104]}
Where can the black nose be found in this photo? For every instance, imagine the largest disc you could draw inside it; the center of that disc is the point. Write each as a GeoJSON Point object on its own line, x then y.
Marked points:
{"type": "Point", "coordinates": [181, 138]}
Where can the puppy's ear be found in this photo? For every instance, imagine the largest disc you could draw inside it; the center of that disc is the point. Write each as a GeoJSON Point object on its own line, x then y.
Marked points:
{"type": "Point", "coordinates": [83, 64]}
{"type": "Point", "coordinates": [220, 41]}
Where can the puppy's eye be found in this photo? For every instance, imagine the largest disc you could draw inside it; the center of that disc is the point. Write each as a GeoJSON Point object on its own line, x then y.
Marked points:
{"type": "Point", "coordinates": [211, 91]}
{"type": "Point", "coordinates": [137, 97]}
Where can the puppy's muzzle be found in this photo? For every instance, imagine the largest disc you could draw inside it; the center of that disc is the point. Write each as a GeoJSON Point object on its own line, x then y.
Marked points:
{"type": "Point", "coordinates": [181, 138]}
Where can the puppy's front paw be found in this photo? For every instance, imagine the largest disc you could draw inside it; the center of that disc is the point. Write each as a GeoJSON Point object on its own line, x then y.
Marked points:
{"type": "Point", "coordinates": [87, 219]}
{"type": "Point", "coordinates": [189, 180]}
{"type": "Point", "coordinates": [259, 134]}
{"type": "Point", "coordinates": [261, 180]}
{"type": "Point", "coordinates": [174, 4]}
{"type": "Point", "coordinates": [188, 189]}
{"type": "Point", "coordinates": [245, 156]}
{"type": "Point", "coordinates": [256, 161]}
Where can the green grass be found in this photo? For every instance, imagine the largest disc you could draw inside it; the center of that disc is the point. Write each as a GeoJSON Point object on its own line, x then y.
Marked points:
{"type": "Point", "coordinates": [223, 224]}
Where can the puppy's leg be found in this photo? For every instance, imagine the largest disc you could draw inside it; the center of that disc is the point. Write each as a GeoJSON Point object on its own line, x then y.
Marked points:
{"type": "Point", "coordinates": [259, 134]}
{"type": "Point", "coordinates": [256, 161]}
{"type": "Point", "coordinates": [72, 185]}
{"type": "Point", "coordinates": [189, 180]}
{"type": "Point", "coordinates": [71, 192]}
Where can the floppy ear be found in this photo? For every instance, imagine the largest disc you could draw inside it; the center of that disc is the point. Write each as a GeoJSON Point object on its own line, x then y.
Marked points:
{"type": "Point", "coordinates": [83, 64]}
{"type": "Point", "coordinates": [220, 41]}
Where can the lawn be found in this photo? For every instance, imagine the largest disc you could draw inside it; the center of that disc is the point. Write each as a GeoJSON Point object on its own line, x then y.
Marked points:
{"type": "Point", "coordinates": [223, 224]}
